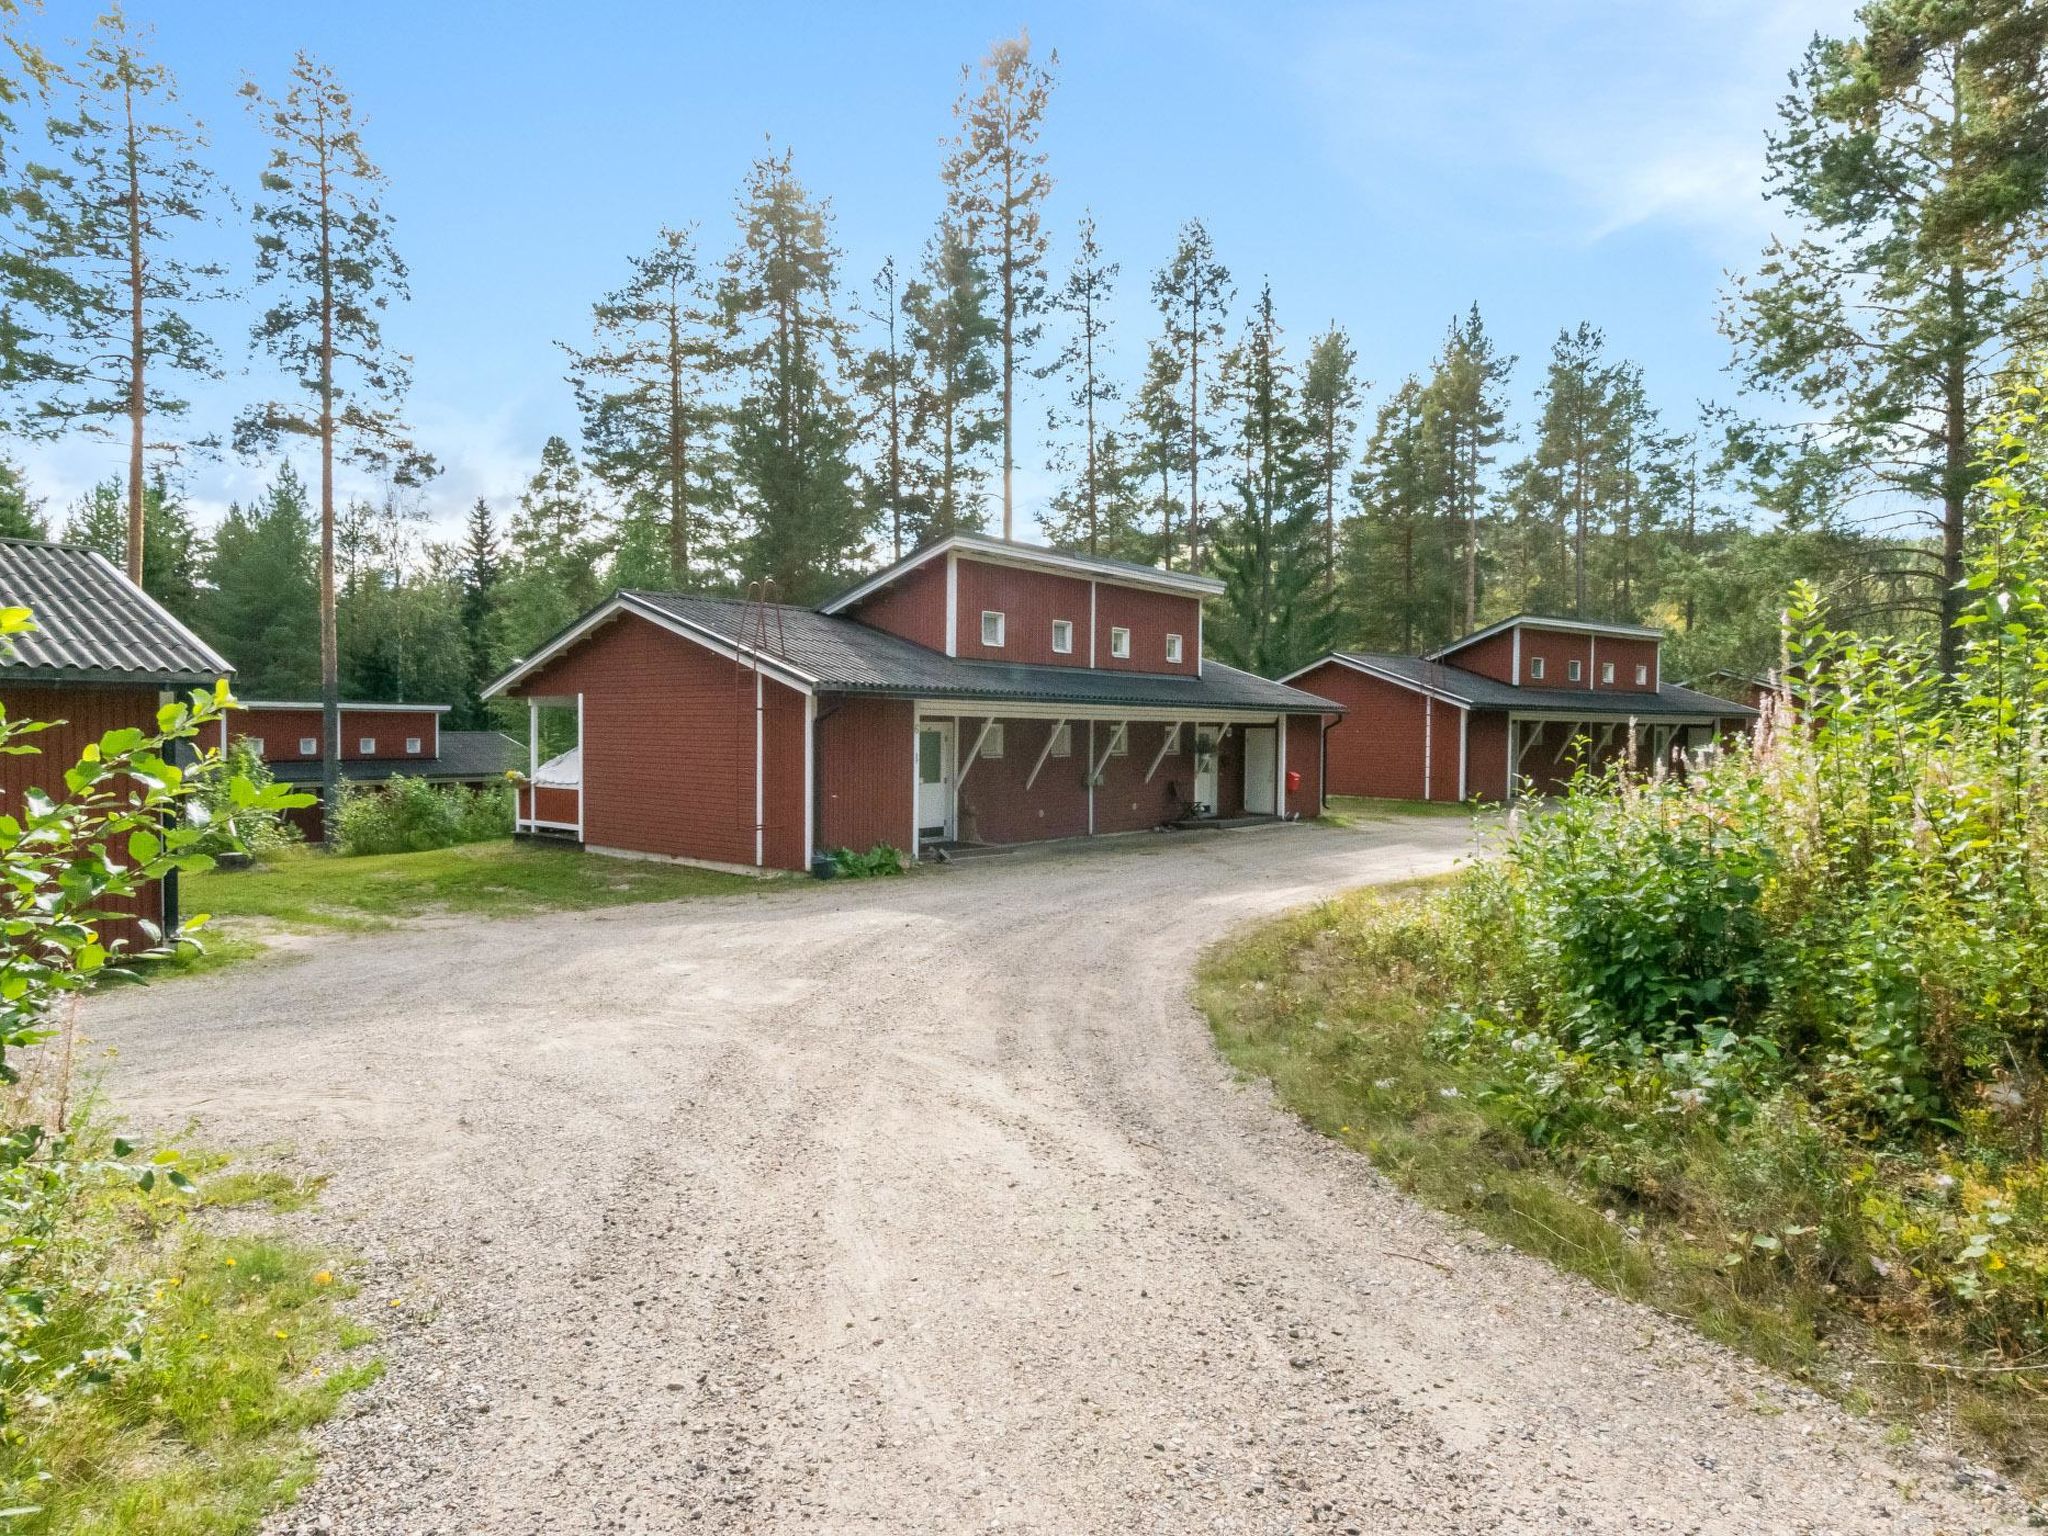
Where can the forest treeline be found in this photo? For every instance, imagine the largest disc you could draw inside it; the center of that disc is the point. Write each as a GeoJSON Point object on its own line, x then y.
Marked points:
{"type": "Point", "coordinates": [755, 417]}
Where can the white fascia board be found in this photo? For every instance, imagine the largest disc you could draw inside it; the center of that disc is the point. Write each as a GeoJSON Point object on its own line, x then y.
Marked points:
{"type": "Point", "coordinates": [1380, 675]}
{"type": "Point", "coordinates": [605, 612]}
{"type": "Point", "coordinates": [1537, 621]}
{"type": "Point", "coordinates": [996, 553]}
{"type": "Point", "coordinates": [346, 704]}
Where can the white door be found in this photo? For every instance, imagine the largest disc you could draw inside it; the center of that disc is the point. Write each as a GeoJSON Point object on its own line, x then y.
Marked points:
{"type": "Point", "coordinates": [935, 779]}
{"type": "Point", "coordinates": [1205, 772]}
{"type": "Point", "coordinates": [1261, 771]}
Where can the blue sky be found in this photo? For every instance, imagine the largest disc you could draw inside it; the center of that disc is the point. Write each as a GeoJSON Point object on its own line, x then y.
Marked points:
{"type": "Point", "coordinates": [1383, 164]}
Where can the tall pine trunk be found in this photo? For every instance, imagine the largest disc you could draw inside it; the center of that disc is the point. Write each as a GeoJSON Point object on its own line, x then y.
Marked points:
{"type": "Point", "coordinates": [678, 461]}
{"type": "Point", "coordinates": [330, 641]}
{"type": "Point", "coordinates": [138, 404]}
{"type": "Point", "coordinates": [1955, 480]}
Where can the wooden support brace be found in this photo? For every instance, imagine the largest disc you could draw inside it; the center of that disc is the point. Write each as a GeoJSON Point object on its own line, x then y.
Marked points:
{"type": "Point", "coordinates": [1172, 735]}
{"type": "Point", "coordinates": [1045, 751]}
{"type": "Point", "coordinates": [1095, 773]}
{"type": "Point", "coordinates": [973, 752]}
{"type": "Point", "coordinates": [1529, 742]}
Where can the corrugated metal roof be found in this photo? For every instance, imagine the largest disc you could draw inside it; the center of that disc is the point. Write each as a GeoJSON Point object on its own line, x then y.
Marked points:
{"type": "Point", "coordinates": [1454, 682]}
{"type": "Point", "coordinates": [464, 755]}
{"type": "Point", "coordinates": [844, 654]}
{"type": "Point", "coordinates": [93, 624]}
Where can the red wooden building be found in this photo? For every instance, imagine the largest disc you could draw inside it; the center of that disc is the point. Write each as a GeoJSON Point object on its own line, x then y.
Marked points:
{"type": "Point", "coordinates": [104, 656]}
{"type": "Point", "coordinates": [1515, 707]}
{"type": "Point", "coordinates": [976, 692]}
{"type": "Point", "coordinates": [379, 742]}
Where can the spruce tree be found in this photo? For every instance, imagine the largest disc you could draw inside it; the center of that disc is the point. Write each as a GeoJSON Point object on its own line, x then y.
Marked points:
{"type": "Point", "coordinates": [480, 563]}
{"type": "Point", "coordinates": [262, 609]}
{"type": "Point", "coordinates": [997, 185]}
{"type": "Point", "coordinates": [554, 572]}
{"type": "Point", "coordinates": [647, 423]}
{"type": "Point", "coordinates": [1915, 153]}
{"type": "Point", "coordinates": [132, 192]}
{"type": "Point", "coordinates": [323, 248]}
{"type": "Point", "coordinates": [174, 550]}
{"type": "Point", "coordinates": [794, 429]}
{"type": "Point", "coordinates": [953, 419]}
{"type": "Point", "coordinates": [1082, 506]}
{"type": "Point", "coordinates": [1193, 293]}
{"type": "Point", "coordinates": [21, 513]}
{"type": "Point", "coordinates": [1399, 549]}
{"type": "Point", "coordinates": [1159, 434]}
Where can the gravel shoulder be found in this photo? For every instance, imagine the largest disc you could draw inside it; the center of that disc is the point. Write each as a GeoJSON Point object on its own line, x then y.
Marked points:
{"type": "Point", "coordinates": [926, 1206]}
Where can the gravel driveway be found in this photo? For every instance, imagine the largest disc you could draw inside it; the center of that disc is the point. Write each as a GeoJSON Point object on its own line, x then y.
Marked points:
{"type": "Point", "coordinates": [926, 1206]}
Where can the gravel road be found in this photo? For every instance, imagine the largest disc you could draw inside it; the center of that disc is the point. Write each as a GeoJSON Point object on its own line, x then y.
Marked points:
{"type": "Point", "coordinates": [926, 1206]}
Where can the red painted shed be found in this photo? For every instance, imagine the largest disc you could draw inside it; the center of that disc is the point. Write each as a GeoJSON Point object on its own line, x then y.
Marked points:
{"type": "Point", "coordinates": [979, 691]}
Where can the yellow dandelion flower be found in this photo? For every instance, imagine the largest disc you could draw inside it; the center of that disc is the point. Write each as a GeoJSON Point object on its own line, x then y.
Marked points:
{"type": "Point", "coordinates": [325, 1277]}
{"type": "Point", "coordinates": [279, 1333]}
{"type": "Point", "coordinates": [229, 1261]}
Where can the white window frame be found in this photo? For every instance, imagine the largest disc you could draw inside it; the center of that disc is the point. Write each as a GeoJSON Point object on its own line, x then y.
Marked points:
{"type": "Point", "coordinates": [992, 740]}
{"type": "Point", "coordinates": [1063, 740]}
{"type": "Point", "coordinates": [1063, 637]}
{"type": "Point", "coordinates": [1001, 625]}
{"type": "Point", "coordinates": [1575, 670]}
{"type": "Point", "coordinates": [1119, 642]}
{"type": "Point", "coordinates": [1607, 672]}
{"type": "Point", "coordinates": [1173, 649]}
{"type": "Point", "coordinates": [309, 746]}
{"type": "Point", "coordinates": [1642, 675]}
{"type": "Point", "coordinates": [254, 744]}
{"type": "Point", "coordinates": [1535, 669]}
{"type": "Point", "coordinates": [412, 745]}
{"type": "Point", "coordinates": [1171, 746]}
{"type": "Point", "coordinates": [367, 745]}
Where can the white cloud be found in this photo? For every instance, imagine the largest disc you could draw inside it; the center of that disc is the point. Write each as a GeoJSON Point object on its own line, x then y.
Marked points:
{"type": "Point", "coordinates": [1614, 112]}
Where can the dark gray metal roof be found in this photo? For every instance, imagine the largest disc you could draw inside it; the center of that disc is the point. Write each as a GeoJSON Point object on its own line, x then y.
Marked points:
{"type": "Point", "coordinates": [93, 625]}
{"type": "Point", "coordinates": [1455, 683]}
{"type": "Point", "coordinates": [464, 755]}
{"type": "Point", "coordinates": [846, 655]}
{"type": "Point", "coordinates": [1016, 551]}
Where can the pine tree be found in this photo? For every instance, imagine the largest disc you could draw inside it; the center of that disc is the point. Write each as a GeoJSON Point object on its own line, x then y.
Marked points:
{"type": "Point", "coordinates": [952, 336]}
{"type": "Point", "coordinates": [1160, 438]}
{"type": "Point", "coordinates": [323, 242]}
{"type": "Point", "coordinates": [646, 424]}
{"type": "Point", "coordinates": [885, 387]}
{"type": "Point", "coordinates": [132, 192]}
{"type": "Point", "coordinates": [263, 607]}
{"type": "Point", "coordinates": [39, 301]}
{"type": "Point", "coordinates": [1560, 490]}
{"type": "Point", "coordinates": [1277, 613]}
{"type": "Point", "coordinates": [1916, 154]}
{"type": "Point", "coordinates": [557, 548]}
{"type": "Point", "coordinates": [1398, 549]}
{"type": "Point", "coordinates": [1330, 390]}
{"type": "Point", "coordinates": [1193, 293]}
{"type": "Point", "coordinates": [997, 185]}
{"type": "Point", "coordinates": [1083, 363]}
{"type": "Point", "coordinates": [1466, 411]}
{"type": "Point", "coordinates": [794, 430]}
{"type": "Point", "coordinates": [174, 550]}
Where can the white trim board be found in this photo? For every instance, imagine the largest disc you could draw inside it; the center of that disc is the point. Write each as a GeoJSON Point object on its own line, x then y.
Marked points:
{"type": "Point", "coordinates": [1026, 557]}
{"type": "Point", "coordinates": [624, 604]}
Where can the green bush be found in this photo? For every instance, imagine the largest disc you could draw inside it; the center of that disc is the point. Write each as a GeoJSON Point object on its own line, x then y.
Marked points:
{"type": "Point", "coordinates": [258, 826]}
{"type": "Point", "coordinates": [882, 859]}
{"type": "Point", "coordinates": [411, 815]}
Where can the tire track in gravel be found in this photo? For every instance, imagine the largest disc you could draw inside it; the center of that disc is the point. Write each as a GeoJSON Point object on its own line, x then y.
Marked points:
{"type": "Point", "coordinates": [926, 1206]}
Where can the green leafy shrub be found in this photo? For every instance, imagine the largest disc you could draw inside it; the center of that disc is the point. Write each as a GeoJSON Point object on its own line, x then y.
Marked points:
{"type": "Point", "coordinates": [411, 816]}
{"type": "Point", "coordinates": [258, 826]}
{"type": "Point", "coordinates": [882, 859]}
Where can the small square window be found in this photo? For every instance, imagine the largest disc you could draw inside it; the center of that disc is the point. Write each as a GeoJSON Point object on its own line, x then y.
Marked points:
{"type": "Point", "coordinates": [254, 744]}
{"type": "Point", "coordinates": [1119, 642]}
{"type": "Point", "coordinates": [1173, 648]}
{"type": "Point", "coordinates": [309, 746]}
{"type": "Point", "coordinates": [1063, 740]}
{"type": "Point", "coordinates": [1606, 671]}
{"type": "Point", "coordinates": [367, 745]}
{"type": "Point", "coordinates": [1642, 676]}
{"type": "Point", "coordinates": [1063, 637]}
{"type": "Point", "coordinates": [991, 628]}
{"type": "Point", "coordinates": [412, 744]}
{"type": "Point", "coordinates": [1119, 741]}
{"type": "Point", "coordinates": [992, 743]}
{"type": "Point", "coordinates": [1575, 671]}
{"type": "Point", "coordinates": [1535, 669]}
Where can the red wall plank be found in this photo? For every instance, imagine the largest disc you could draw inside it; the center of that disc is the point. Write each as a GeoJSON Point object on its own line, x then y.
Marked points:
{"type": "Point", "coordinates": [913, 606]}
{"type": "Point", "coordinates": [1029, 602]}
{"type": "Point", "coordinates": [1150, 617]}
{"type": "Point", "coordinates": [868, 750]}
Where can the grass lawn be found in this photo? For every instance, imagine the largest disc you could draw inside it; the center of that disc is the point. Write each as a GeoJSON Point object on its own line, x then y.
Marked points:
{"type": "Point", "coordinates": [1361, 810]}
{"type": "Point", "coordinates": [1334, 1006]}
{"type": "Point", "coordinates": [244, 1345]}
{"type": "Point", "coordinates": [305, 889]}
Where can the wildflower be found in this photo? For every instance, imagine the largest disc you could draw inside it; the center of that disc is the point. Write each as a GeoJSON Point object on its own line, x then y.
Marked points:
{"type": "Point", "coordinates": [1449, 1093]}
{"type": "Point", "coordinates": [279, 1333]}
{"type": "Point", "coordinates": [325, 1277]}
{"type": "Point", "coordinates": [229, 1261]}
